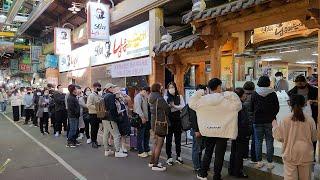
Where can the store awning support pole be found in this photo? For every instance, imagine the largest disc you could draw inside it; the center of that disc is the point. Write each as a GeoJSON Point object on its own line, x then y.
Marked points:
{"type": "Point", "coordinates": [318, 69]}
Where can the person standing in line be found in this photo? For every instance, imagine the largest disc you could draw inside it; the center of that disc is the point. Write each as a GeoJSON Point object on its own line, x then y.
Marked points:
{"type": "Point", "coordinates": [143, 135]}
{"type": "Point", "coordinates": [281, 84]}
{"type": "Point", "coordinates": [36, 97]}
{"type": "Point", "coordinates": [249, 88]}
{"type": "Point", "coordinates": [52, 112]}
{"type": "Point", "coordinates": [197, 139]}
{"type": "Point", "coordinates": [217, 114]}
{"type": "Point", "coordinates": [297, 132]}
{"type": "Point", "coordinates": [93, 99]}
{"type": "Point", "coordinates": [159, 112]}
{"type": "Point", "coordinates": [265, 106]}
{"type": "Point", "coordinates": [310, 93]}
{"type": "Point", "coordinates": [73, 108]}
{"type": "Point", "coordinates": [110, 122]}
{"type": "Point", "coordinates": [60, 111]}
{"type": "Point", "coordinates": [15, 100]}
{"type": "Point", "coordinates": [5, 103]}
{"type": "Point", "coordinates": [85, 112]}
{"type": "Point", "coordinates": [43, 112]}
{"type": "Point", "coordinates": [22, 106]}
{"type": "Point", "coordinates": [29, 107]}
{"type": "Point", "coordinates": [176, 102]}
{"type": "Point", "coordinates": [2, 100]}
{"type": "Point", "coordinates": [240, 145]}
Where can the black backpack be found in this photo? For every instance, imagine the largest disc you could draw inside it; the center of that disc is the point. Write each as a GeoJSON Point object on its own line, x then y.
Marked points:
{"type": "Point", "coordinates": [185, 117]}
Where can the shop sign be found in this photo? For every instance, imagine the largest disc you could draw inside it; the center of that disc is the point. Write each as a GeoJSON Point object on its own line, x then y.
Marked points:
{"type": "Point", "coordinates": [51, 61]}
{"type": "Point", "coordinates": [98, 19]}
{"type": "Point", "coordinates": [14, 64]}
{"type": "Point", "coordinates": [62, 41]}
{"type": "Point", "coordinates": [77, 59]}
{"type": "Point", "coordinates": [26, 58]}
{"type": "Point", "coordinates": [138, 67]}
{"type": "Point", "coordinates": [6, 47]}
{"type": "Point", "coordinates": [128, 44]}
{"type": "Point", "coordinates": [35, 67]}
{"type": "Point", "coordinates": [35, 53]}
{"type": "Point", "coordinates": [25, 68]}
{"type": "Point", "coordinates": [293, 28]}
{"type": "Point", "coordinates": [79, 34]}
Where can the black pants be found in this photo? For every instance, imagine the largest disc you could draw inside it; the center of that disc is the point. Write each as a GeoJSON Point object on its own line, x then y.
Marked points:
{"type": "Point", "coordinates": [44, 121]}
{"type": "Point", "coordinates": [61, 118]}
{"type": "Point", "coordinates": [174, 130]}
{"type": "Point", "coordinates": [29, 115]}
{"type": "Point", "coordinates": [53, 118]}
{"type": "Point", "coordinates": [238, 149]}
{"type": "Point", "coordinates": [16, 114]}
{"type": "Point", "coordinates": [35, 118]}
{"type": "Point", "coordinates": [219, 145]}
{"type": "Point", "coordinates": [86, 128]}
{"type": "Point", "coordinates": [23, 114]}
{"type": "Point", "coordinates": [94, 122]}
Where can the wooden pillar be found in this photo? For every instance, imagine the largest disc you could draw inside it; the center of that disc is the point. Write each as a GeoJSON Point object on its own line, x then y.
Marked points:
{"type": "Point", "coordinates": [215, 60]}
{"type": "Point", "coordinates": [318, 96]}
{"type": "Point", "coordinates": [181, 70]}
{"type": "Point", "coordinates": [201, 73]}
{"type": "Point", "coordinates": [155, 21]}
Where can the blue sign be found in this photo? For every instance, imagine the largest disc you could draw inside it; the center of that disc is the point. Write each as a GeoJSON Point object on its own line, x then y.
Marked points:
{"type": "Point", "coordinates": [51, 61]}
{"type": "Point", "coordinates": [14, 64]}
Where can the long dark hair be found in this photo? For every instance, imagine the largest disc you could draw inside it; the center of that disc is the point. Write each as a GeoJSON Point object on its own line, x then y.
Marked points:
{"type": "Point", "coordinates": [173, 98]}
{"type": "Point", "coordinates": [297, 102]}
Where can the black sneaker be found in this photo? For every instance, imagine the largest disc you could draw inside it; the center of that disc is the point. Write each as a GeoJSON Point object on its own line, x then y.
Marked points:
{"type": "Point", "coordinates": [77, 143]}
{"type": "Point", "coordinates": [95, 145]}
{"type": "Point", "coordinates": [70, 145]}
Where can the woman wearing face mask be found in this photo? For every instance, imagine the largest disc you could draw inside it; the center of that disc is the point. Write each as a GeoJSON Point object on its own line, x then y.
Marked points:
{"type": "Point", "coordinates": [15, 100]}
{"type": "Point", "coordinates": [280, 83]}
{"type": "Point", "coordinates": [176, 103]}
{"type": "Point", "coordinates": [43, 111]}
{"type": "Point", "coordinates": [85, 114]}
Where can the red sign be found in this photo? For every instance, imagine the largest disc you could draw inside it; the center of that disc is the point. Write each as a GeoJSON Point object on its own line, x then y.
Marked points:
{"type": "Point", "coordinates": [25, 68]}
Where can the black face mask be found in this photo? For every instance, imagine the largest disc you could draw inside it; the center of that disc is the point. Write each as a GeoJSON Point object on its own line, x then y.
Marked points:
{"type": "Point", "coordinates": [99, 89]}
{"type": "Point", "coordinates": [28, 92]}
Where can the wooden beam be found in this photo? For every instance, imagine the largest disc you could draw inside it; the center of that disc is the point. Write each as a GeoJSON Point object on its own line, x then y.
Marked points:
{"type": "Point", "coordinates": [318, 97]}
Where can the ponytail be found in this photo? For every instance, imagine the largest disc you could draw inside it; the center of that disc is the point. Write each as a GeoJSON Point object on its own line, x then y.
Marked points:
{"type": "Point", "coordinates": [298, 114]}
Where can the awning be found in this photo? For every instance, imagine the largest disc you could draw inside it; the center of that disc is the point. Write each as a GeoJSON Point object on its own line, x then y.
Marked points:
{"type": "Point", "coordinates": [222, 10]}
{"type": "Point", "coordinates": [183, 43]}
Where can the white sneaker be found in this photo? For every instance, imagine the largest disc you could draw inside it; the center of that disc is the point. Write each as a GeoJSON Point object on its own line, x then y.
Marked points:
{"type": "Point", "coordinates": [179, 160]}
{"type": "Point", "coordinates": [124, 150]}
{"type": "Point", "coordinates": [31, 125]}
{"type": "Point", "coordinates": [151, 165]}
{"type": "Point", "coordinates": [80, 136]}
{"type": "Point", "coordinates": [150, 153]}
{"type": "Point", "coordinates": [158, 168]}
{"type": "Point", "coordinates": [201, 178]}
{"type": "Point", "coordinates": [57, 134]}
{"type": "Point", "coordinates": [170, 161]}
{"type": "Point", "coordinates": [89, 141]}
{"type": "Point", "coordinates": [270, 166]}
{"type": "Point", "coordinates": [253, 162]}
{"type": "Point", "coordinates": [143, 155]}
{"type": "Point", "coordinates": [259, 165]}
{"type": "Point", "coordinates": [120, 155]}
{"type": "Point", "coordinates": [108, 153]}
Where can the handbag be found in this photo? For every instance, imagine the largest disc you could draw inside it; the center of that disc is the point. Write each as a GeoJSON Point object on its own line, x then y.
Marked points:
{"type": "Point", "coordinates": [161, 127]}
{"type": "Point", "coordinates": [136, 121]}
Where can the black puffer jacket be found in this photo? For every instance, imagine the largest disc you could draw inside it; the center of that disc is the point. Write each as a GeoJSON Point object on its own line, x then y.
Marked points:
{"type": "Point", "coordinates": [59, 100]}
{"type": "Point", "coordinates": [162, 108]}
{"type": "Point", "coordinates": [73, 106]}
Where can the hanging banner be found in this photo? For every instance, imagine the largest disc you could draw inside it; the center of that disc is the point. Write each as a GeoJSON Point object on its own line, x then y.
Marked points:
{"type": "Point", "coordinates": [79, 58]}
{"type": "Point", "coordinates": [51, 61]}
{"type": "Point", "coordinates": [138, 67]}
{"type": "Point", "coordinates": [98, 19]}
{"type": "Point", "coordinates": [26, 58]}
{"type": "Point", "coordinates": [14, 64]}
{"type": "Point", "coordinates": [291, 29]}
{"type": "Point", "coordinates": [35, 53]}
{"type": "Point", "coordinates": [25, 68]}
{"type": "Point", "coordinates": [62, 41]}
{"type": "Point", "coordinates": [6, 47]}
{"type": "Point", "coordinates": [127, 44]}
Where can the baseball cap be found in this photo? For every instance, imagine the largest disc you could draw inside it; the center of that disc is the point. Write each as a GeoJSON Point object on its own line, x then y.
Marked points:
{"type": "Point", "coordinates": [110, 85]}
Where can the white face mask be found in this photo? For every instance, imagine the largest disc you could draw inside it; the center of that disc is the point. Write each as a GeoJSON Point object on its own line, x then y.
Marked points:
{"type": "Point", "coordinates": [46, 94]}
{"type": "Point", "coordinates": [39, 93]}
{"type": "Point", "coordinates": [172, 91]}
{"type": "Point", "coordinates": [88, 93]}
{"type": "Point", "coordinates": [278, 78]}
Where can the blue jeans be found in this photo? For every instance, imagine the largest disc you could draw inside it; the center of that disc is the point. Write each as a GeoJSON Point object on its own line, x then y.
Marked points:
{"type": "Point", "coordinates": [143, 138]}
{"type": "Point", "coordinates": [3, 106]}
{"type": "Point", "coordinates": [197, 148]}
{"type": "Point", "coordinates": [73, 125]}
{"type": "Point", "coordinates": [261, 131]}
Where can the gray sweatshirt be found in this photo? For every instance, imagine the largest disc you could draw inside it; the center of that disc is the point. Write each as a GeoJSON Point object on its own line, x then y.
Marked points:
{"type": "Point", "coordinates": [28, 99]}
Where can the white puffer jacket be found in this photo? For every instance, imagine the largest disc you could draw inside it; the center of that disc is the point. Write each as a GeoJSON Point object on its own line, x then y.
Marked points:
{"type": "Point", "coordinates": [217, 113]}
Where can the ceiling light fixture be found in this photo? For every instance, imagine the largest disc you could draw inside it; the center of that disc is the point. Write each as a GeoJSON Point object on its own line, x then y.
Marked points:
{"type": "Point", "coordinates": [289, 51]}
{"type": "Point", "coordinates": [305, 62]}
{"type": "Point", "coordinates": [315, 54]}
{"type": "Point", "coordinates": [271, 59]}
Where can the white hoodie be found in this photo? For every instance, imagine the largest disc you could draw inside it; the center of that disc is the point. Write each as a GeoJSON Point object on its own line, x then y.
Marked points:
{"type": "Point", "coordinates": [217, 113]}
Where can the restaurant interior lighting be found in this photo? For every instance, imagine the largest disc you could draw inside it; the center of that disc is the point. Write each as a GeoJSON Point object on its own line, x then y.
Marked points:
{"type": "Point", "coordinates": [271, 59]}
{"type": "Point", "coordinates": [315, 54]}
{"type": "Point", "coordinates": [289, 51]}
{"type": "Point", "coordinates": [305, 62]}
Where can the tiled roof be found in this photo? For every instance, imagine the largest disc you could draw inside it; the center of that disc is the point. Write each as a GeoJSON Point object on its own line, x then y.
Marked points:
{"type": "Point", "coordinates": [222, 10]}
{"type": "Point", "coordinates": [186, 42]}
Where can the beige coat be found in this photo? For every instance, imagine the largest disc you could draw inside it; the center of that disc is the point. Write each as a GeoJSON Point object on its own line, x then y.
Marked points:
{"type": "Point", "coordinates": [297, 139]}
{"type": "Point", "coordinates": [93, 98]}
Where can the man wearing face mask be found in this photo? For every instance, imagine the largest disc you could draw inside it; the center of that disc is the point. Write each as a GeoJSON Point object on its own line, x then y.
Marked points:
{"type": "Point", "coordinates": [60, 111]}
{"type": "Point", "coordinates": [36, 96]}
{"type": "Point", "coordinates": [28, 99]}
{"type": "Point", "coordinates": [310, 93]}
{"type": "Point", "coordinates": [93, 98]}
{"type": "Point", "coordinates": [280, 83]}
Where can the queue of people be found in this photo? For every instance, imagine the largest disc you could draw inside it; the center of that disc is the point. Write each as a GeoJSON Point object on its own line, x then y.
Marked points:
{"type": "Point", "coordinates": [215, 117]}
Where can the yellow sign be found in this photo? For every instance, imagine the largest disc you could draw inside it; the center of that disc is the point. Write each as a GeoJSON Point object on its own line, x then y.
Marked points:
{"type": "Point", "coordinates": [7, 34]}
{"type": "Point", "coordinates": [291, 29]}
{"type": "Point", "coordinates": [21, 46]}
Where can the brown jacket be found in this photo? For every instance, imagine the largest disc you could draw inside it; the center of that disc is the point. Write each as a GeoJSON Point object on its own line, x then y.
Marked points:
{"type": "Point", "coordinates": [297, 138]}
